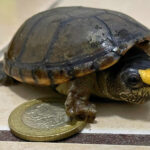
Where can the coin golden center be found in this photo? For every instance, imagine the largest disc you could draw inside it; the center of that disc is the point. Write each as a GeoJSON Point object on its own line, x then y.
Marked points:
{"type": "Point", "coordinates": [45, 116]}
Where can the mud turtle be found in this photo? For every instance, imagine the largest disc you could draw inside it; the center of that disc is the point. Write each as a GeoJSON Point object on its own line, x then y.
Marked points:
{"type": "Point", "coordinates": [78, 50]}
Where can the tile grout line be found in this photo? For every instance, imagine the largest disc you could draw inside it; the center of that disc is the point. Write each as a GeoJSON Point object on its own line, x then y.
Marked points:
{"type": "Point", "coordinates": [86, 138]}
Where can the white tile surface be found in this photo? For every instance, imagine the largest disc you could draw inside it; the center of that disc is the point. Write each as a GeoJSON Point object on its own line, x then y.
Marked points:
{"type": "Point", "coordinates": [54, 146]}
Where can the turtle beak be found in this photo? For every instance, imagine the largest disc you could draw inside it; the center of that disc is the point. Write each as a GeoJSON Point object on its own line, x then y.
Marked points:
{"type": "Point", "coordinates": [145, 75]}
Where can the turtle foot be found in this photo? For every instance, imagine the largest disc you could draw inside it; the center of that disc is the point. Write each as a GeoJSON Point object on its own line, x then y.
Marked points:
{"type": "Point", "coordinates": [80, 108]}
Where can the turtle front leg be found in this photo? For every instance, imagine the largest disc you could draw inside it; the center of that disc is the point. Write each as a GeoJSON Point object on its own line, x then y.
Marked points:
{"type": "Point", "coordinates": [78, 93]}
{"type": "Point", "coordinates": [77, 103]}
{"type": "Point", "coordinates": [4, 78]}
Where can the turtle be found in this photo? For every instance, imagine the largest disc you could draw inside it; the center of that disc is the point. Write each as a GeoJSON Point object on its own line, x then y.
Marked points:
{"type": "Point", "coordinates": [80, 52]}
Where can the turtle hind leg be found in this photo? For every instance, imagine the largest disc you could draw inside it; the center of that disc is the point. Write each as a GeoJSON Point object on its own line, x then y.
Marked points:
{"type": "Point", "coordinates": [77, 103]}
{"type": "Point", "coordinates": [5, 79]}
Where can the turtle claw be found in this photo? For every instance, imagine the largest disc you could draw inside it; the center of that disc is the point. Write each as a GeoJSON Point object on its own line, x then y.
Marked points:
{"type": "Point", "coordinates": [83, 110]}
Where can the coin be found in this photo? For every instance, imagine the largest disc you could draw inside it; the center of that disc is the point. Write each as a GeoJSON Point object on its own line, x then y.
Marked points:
{"type": "Point", "coordinates": [43, 119]}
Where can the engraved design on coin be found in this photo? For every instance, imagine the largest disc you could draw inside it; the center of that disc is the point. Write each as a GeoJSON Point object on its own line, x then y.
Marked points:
{"type": "Point", "coordinates": [45, 116]}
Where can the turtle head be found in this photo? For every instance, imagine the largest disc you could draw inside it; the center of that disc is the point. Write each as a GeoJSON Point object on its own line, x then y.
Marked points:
{"type": "Point", "coordinates": [129, 79]}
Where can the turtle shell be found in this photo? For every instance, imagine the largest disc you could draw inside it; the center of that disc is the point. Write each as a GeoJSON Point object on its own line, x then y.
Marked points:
{"type": "Point", "coordinates": [57, 45]}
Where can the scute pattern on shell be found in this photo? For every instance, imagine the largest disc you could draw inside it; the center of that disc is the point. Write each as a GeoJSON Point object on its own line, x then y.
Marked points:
{"type": "Point", "coordinates": [69, 42]}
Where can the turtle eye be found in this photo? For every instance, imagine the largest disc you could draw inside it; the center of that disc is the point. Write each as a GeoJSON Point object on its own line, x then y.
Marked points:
{"type": "Point", "coordinates": [133, 80]}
